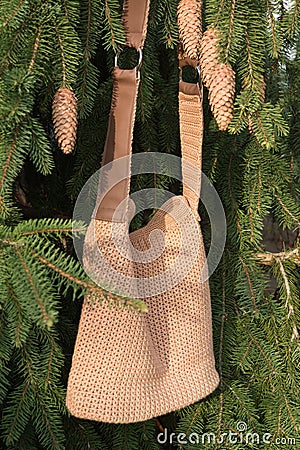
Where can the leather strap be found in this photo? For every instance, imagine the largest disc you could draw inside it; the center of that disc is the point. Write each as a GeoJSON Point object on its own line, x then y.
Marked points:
{"type": "Point", "coordinates": [119, 140]}
{"type": "Point", "coordinates": [135, 19]}
{"type": "Point", "coordinates": [121, 123]}
{"type": "Point", "coordinates": [122, 112]}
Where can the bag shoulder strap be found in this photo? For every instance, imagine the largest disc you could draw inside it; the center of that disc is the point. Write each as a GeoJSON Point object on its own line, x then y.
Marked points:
{"type": "Point", "coordinates": [191, 136]}
{"type": "Point", "coordinates": [135, 19]}
{"type": "Point", "coordinates": [122, 112]}
{"type": "Point", "coordinates": [121, 123]}
{"type": "Point", "coordinates": [118, 143]}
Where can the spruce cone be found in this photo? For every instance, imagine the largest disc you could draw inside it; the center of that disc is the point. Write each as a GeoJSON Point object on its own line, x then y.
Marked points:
{"type": "Point", "coordinates": [64, 115]}
{"type": "Point", "coordinates": [209, 56]}
{"type": "Point", "coordinates": [221, 94]}
{"type": "Point", "coordinates": [219, 78]}
{"type": "Point", "coordinates": [184, 59]}
{"type": "Point", "coordinates": [190, 26]}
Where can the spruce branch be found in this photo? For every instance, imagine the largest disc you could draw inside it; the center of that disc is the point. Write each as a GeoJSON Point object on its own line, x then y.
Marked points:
{"type": "Point", "coordinates": [49, 365]}
{"type": "Point", "coordinates": [17, 35]}
{"type": "Point", "coordinates": [11, 431]}
{"type": "Point", "coordinates": [86, 53]}
{"type": "Point", "coordinates": [47, 319]}
{"type": "Point", "coordinates": [294, 18]}
{"type": "Point", "coordinates": [278, 428]}
{"type": "Point", "coordinates": [220, 414]}
{"type": "Point", "coordinates": [62, 54]}
{"type": "Point", "coordinates": [27, 235]}
{"type": "Point", "coordinates": [91, 287]}
{"type": "Point", "coordinates": [52, 231]}
{"type": "Point", "coordinates": [262, 130]}
{"type": "Point", "coordinates": [169, 27]}
{"type": "Point", "coordinates": [287, 210]}
{"type": "Point", "coordinates": [110, 22]}
{"type": "Point", "coordinates": [221, 6]}
{"type": "Point", "coordinates": [261, 350]}
{"type": "Point", "coordinates": [18, 339]}
{"type": "Point", "coordinates": [253, 297]}
{"type": "Point", "coordinates": [49, 226]}
{"type": "Point", "coordinates": [33, 400]}
{"type": "Point", "coordinates": [231, 22]}
{"type": "Point", "coordinates": [221, 345]}
{"type": "Point", "coordinates": [113, 26]}
{"type": "Point", "coordinates": [71, 11]}
{"type": "Point", "coordinates": [88, 286]}
{"type": "Point", "coordinates": [231, 193]}
{"type": "Point", "coordinates": [40, 402]}
{"type": "Point", "coordinates": [196, 414]}
{"type": "Point", "coordinates": [13, 13]}
{"type": "Point", "coordinates": [66, 9]}
{"type": "Point", "coordinates": [272, 23]}
{"type": "Point", "coordinates": [244, 356]}
{"type": "Point", "coordinates": [159, 425]}
{"type": "Point", "coordinates": [46, 421]}
{"type": "Point", "coordinates": [288, 303]}
{"type": "Point", "coordinates": [269, 258]}
{"type": "Point", "coordinates": [249, 58]}
{"type": "Point", "coordinates": [88, 74]}
{"type": "Point", "coordinates": [35, 48]}
{"type": "Point", "coordinates": [274, 373]}
{"type": "Point", "coordinates": [223, 319]}
{"type": "Point", "coordinates": [294, 421]}
{"type": "Point", "coordinates": [5, 167]}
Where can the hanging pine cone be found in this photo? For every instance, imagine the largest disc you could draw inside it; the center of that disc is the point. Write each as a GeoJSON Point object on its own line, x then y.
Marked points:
{"type": "Point", "coordinates": [64, 115]}
{"type": "Point", "coordinates": [209, 56]}
{"type": "Point", "coordinates": [184, 59]}
{"type": "Point", "coordinates": [219, 78]}
{"type": "Point", "coordinates": [190, 26]}
{"type": "Point", "coordinates": [221, 94]}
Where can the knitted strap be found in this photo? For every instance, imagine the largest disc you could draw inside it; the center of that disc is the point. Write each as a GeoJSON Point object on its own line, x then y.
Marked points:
{"type": "Point", "coordinates": [191, 134]}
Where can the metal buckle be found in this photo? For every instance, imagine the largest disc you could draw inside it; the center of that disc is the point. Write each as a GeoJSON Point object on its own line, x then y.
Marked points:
{"type": "Point", "coordinates": [198, 70]}
{"type": "Point", "coordinates": [138, 66]}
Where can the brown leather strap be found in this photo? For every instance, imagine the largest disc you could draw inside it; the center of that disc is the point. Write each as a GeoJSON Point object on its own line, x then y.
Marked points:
{"type": "Point", "coordinates": [135, 18]}
{"type": "Point", "coordinates": [122, 113]}
{"type": "Point", "coordinates": [119, 139]}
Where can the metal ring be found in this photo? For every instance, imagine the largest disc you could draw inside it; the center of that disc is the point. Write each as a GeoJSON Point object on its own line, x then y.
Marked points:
{"type": "Point", "coordinates": [198, 70]}
{"type": "Point", "coordinates": [140, 54]}
{"type": "Point", "coordinates": [180, 74]}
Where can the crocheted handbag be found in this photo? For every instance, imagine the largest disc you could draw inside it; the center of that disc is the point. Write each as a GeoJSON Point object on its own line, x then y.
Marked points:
{"type": "Point", "coordinates": [130, 366]}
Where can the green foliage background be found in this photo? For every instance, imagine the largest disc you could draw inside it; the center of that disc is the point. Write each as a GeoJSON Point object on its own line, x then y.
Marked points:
{"type": "Point", "coordinates": [45, 44]}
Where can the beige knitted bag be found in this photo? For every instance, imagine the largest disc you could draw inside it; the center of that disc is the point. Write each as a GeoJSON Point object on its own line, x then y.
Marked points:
{"type": "Point", "coordinates": [130, 366]}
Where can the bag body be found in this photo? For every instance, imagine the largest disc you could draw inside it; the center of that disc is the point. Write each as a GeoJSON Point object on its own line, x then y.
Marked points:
{"type": "Point", "coordinates": [129, 366]}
